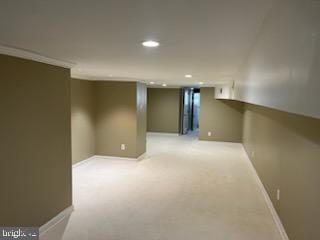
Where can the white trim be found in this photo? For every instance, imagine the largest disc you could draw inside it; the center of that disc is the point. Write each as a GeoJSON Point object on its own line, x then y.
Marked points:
{"type": "Point", "coordinates": [159, 86]}
{"type": "Point", "coordinates": [163, 134]}
{"type": "Point", "coordinates": [54, 221]}
{"type": "Point", "coordinates": [30, 55]}
{"type": "Point", "coordinates": [120, 158]}
{"type": "Point", "coordinates": [269, 203]}
{"type": "Point", "coordinates": [77, 75]}
{"type": "Point", "coordinates": [141, 157]}
{"type": "Point", "coordinates": [78, 164]}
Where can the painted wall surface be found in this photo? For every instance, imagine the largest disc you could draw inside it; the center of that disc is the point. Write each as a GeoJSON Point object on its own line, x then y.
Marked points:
{"type": "Point", "coordinates": [163, 110]}
{"type": "Point", "coordinates": [285, 150]}
{"type": "Point", "coordinates": [35, 142]}
{"type": "Point", "coordinates": [141, 100]}
{"type": "Point", "coordinates": [82, 120]}
{"type": "Point", "coordinates": [223, 118]}
{"type": "Point", "coordinates": [283, 69]}
{"type": "Point", "coordinates": [117, 119]}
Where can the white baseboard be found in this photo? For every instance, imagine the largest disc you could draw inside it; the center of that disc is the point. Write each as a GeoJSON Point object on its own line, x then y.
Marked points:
{"type": "Point", "coordinates": [163, 134]}
{"type": "Point", "coordinates": [54, 221]}
{"type": "Point", "coordinates": [78, 164]}
{"type": "Point", "coordinates": [141, 157]}
{"type": "Point", "coordinates": [120, 158]}
{"type": "Point", "coordinates": [82, 162]}
{"type": "Point", "coordinates": [273, 211]}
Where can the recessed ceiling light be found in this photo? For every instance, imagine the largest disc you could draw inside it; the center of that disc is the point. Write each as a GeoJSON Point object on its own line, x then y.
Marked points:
{"type": "Point", "coordinates": [151, 82]}
{"type": "Point", "coordinates": [201, 83]}
{"type": "Point", "coordinates": [164, 85]}
{"type": "Point", "coordinates": [188, 76]}
{"type": "Point", "coordinates": [150, 43]}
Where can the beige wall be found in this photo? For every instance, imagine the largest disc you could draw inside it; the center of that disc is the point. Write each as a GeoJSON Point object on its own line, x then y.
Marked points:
{"type": "Point", "coordinates": [285, 150]}
{"type": "Point", "coordinates": [163, 110]}
{"type": "Point", "coordinates": [35, 142]}
{"type": "Point", "coordinates": [117, 119]}
{"type": "Point", "coordinates": [82, 120]}
{"type": "Point", "coordinates": [223, 118]}
{"type": "Point", "coordinates": [141, 100]}
{"type": "Point", "coordinates": [282, 71]}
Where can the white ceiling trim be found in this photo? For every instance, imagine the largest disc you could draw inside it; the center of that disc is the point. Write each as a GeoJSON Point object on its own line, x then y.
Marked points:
{"type": "Point", "coordinates": [26, 54]}
{"type": "Point", "coordinates": [167, 87]}
{"type": "Point", "coordinates": [101, 78]}
{"type": "Point", "coordinates": [157, 84]}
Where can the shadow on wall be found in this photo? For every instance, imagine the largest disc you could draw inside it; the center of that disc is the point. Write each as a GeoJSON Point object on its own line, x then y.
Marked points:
{"type": "Point", "coordinates": [220, 120]}
{"type": "Point", "coordinates": [309, 129]}
{"type": "Point", "coordinates": [235, 105]}
{"type": "Point", "coordinates": [163, 110]}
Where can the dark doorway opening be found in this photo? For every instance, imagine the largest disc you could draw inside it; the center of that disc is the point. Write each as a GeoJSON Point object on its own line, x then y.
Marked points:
{"type": "Point", "coordinates": [190, 111]}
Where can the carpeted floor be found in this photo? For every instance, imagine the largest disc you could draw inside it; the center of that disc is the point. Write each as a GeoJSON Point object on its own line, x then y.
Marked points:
{"type": "Point", "coordinates": [184, 189]}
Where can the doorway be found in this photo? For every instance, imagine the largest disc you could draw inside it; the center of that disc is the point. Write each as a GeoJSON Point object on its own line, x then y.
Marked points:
{"type": "Point", "coordinates": [190, 111]}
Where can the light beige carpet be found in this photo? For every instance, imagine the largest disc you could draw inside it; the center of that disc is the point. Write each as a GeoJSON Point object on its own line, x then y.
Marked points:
{"type": "Point", "coordinates": [184, 189]}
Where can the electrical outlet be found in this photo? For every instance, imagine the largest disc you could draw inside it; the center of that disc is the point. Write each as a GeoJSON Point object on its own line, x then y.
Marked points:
{"type": "Point", "coordinates": [123, 147]}
{"type": "Point", "coordinates": [278, 194]}
{"type": "Point", "coordinates": [209, 134]}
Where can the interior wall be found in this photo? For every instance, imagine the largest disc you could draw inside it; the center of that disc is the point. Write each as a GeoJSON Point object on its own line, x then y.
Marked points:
{"type": "Point", "coordinates": [117, 119]}
{"type": "Point", "coordinates": [223, 118]}
{"type": "Point", "coordinates": [282, 72]}
{"type": "Point", "coordinates": [35, 173]}
{"type": "Point", "coordinates": [285, 150]}
{"type": "Point", "coordinates": [82, 120]}
{"type": "Point", "coordinates": [283, 69]}
{"type": "Point", "coordinates": [141, 100]}
{"type": "Point", "coordinates": [163, 110]}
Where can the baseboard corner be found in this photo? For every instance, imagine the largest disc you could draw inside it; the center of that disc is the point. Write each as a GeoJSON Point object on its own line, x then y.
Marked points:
{"type": "Point", "coordinates": [55, 220]}
{"type": "Point", "coordinates": [77, 164]}
{"type": "Point", "coordinates": [141, 157]}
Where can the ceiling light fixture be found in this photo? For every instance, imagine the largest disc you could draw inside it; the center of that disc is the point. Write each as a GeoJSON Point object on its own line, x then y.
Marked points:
{"type": "Point", "coordinates": [151, 83]}
{"type": "Point", "coordinates": [188, 76]}
{"type": "Point", "coordinates": [150, 43]}
{"type": "Point", "coordinates": [201, 83]}
{"type": "Point", "coordinates": [164, 85]}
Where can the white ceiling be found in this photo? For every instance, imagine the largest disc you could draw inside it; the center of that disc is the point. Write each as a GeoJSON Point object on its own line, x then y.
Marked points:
{"type": "Point", "coordinates": [206, 38]}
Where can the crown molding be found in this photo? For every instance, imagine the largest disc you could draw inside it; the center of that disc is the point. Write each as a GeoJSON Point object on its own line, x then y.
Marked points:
{"type": "Point", "coordinates": [166, 87]}
{"type": "Point", "coordinates": [83, 76]}
{"type": "Point", "coordinates": [30, 55]}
